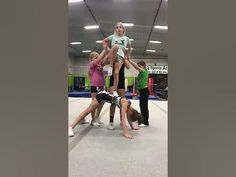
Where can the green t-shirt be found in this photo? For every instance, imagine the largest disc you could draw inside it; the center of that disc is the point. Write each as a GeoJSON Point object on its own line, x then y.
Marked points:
{"type": "Point", "coordinates": [122, 42]}
{"type": "Point", "coordinates": [142, 79]}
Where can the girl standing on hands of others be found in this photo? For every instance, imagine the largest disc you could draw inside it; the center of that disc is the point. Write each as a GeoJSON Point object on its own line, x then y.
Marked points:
{"type": "Point", "coordinates": [119, 42]}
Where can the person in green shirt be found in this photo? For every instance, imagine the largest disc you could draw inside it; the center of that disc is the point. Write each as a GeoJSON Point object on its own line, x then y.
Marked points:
{"type": "Point", "coordinates": [143, 89]}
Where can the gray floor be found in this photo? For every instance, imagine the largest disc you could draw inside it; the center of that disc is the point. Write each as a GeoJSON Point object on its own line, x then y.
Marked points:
{"type": "Point", "coordinates": [99, 152]}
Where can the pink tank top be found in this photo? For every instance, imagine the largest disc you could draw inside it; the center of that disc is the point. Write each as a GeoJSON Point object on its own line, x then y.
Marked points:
{"type": "Point", "coordinates": [96, 74]}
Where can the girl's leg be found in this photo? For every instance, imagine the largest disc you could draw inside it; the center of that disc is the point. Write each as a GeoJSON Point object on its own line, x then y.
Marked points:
{"type": "Point", "coordinates": [143, 103]}
{"type": "Point", "coordinates": [121, 92]}
{"type": "Point", "coordinates": [117, 67]}
{"type": "Point", "coordinates": [112, 113]}
{"type": "Point", "coordinates": [112, 55]}
{"type": "Point", "coordinates": [98, 111]}
{"type": "Point", "coordinates": [83, 114]}
{"type": "Point", "coordinates": [93, 95]}
{"type": "Point", "coordinates": [146, 112]}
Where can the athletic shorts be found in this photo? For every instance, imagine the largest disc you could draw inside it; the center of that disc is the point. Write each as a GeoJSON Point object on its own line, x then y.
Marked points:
{"type": "Point", "coordinates": [96, 89]}
{"type": "Point", "coordinates": [119, 59]}
{"type": "Point", "coordinates": [104, 97]}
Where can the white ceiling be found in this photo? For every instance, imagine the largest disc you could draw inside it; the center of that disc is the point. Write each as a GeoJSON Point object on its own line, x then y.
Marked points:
{"type": "Point", "coordinates": [145, 14]}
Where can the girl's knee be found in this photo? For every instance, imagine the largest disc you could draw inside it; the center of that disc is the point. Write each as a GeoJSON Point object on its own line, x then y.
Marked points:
{"type": "Point", "coordinates": [116, 73]}
{"type": "Point", "coordinates": [91, 108]}
{"type": "Point", "coordinates": [115, 47]}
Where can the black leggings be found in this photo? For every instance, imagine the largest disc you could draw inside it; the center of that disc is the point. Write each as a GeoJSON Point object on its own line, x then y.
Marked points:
{"type": "Point", "coordinates": [143, 104]}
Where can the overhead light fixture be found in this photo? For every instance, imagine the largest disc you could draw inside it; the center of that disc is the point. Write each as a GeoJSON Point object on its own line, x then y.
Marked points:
{"type": "Point", "coordinates": [148, 50]}
{"type": "Point", "coordinates": [161, 27]}
{"type": "Point", "coordinates": [131, 39]}
{"type": "Point", "coordinates": [72, 1]}
{"type": "Point", "coordinates": [100, 41]}
{"type": "Point", "coordinates": [91, 27]}
{"type": "Point", "coordinates": [127, 24]}
{"type": "Point", "coordinates": [131, 48]}
{"type": "Point", "coordinates": [74, 43]}
{"type": "Point", "coordinates": [86, 51]}
{"type": "Point", "coordinates": [155, 42]}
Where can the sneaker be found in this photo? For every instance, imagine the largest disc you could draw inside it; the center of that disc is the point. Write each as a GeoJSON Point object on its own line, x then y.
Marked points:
{"type": "Point", "coordinates": [70, 132]}
{"type": "Point", "coordinates": [142, 125]}
{"type": "Point", "coordinates": [99, 121]}
{"type": "Point", "coordinates": [115, 94]}
{"type": "Point", "coordinates": [84, 121]}
{"type": "Point", "coordinates": [110, 126]}
{"type": "Point", "coordinates": [94, 123]}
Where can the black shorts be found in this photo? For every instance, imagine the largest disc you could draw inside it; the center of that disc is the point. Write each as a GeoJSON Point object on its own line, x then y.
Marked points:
{"type": "Point", "coordinates": [121, 83]}
{"type": "Point", "coordinates": [104, 97]}
{"type": "Point", "coordinates": [95, 89]}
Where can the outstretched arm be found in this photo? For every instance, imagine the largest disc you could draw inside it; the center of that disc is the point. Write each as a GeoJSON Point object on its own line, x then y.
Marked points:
{"type": "Point", "coordinates": [135, 65]}
{"type": "Point", "coordinates": [127, 64]}
{"type": "Point", "coordinates": [131, 124]}
{"type": "Point", "coordinates": [100, 58]}
{"type": "Point", "coordinates": [128, 51]}
{"type": "Point", "coordinates": [105, 43]}
{"type": "Point", "coordinates": [123, 124]}
{"type": "Point", "coordinates": [105, 60]}
{"type": "Point", "coordinates": [124, 106]}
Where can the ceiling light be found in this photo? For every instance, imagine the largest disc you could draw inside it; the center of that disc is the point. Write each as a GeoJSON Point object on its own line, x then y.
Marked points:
{"type": "Point", "coordinates": [155, 42]}
{"type": "Point", "coordinates": [131, 48]}
{"type": "Point", "coordinates": [131, 39]}
{"type": "Point", "coordinates": [71, 1]}
{"type": "Point", "coordinates": [91, 27]}
{"type": "Point", "coordinates": [127, 24]}
{"type": "Point", "coordinates": [161, 27]}
{"type": "Point", "coordinates": [86, 51]}
{"type": "Point", "coordinates": [148, 50]}
{"type": "Point", "coordinates": [99, 41]}
{"type": "Point", "coordinates": [74, 43]}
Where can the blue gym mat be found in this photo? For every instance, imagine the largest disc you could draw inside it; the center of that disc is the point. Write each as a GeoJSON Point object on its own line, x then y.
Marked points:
{"type": "Point", "coordinates": [127, 95]}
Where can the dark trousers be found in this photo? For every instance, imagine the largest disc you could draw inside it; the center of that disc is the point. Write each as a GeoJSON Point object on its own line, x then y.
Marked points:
{"type": "Point", "coordinates": [143, 104]}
